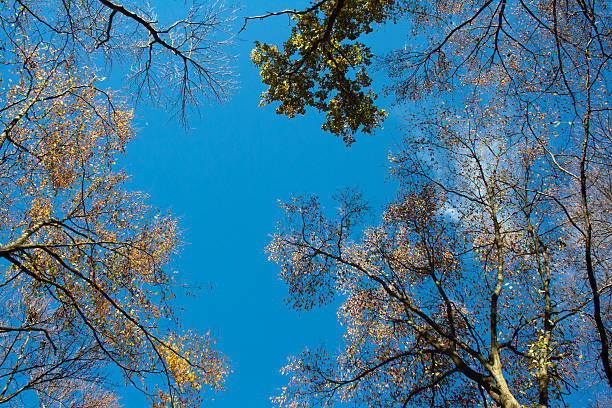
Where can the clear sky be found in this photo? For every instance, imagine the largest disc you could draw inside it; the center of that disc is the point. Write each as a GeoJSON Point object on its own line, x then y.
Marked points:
{"type": "Point", "coordinates": [224, 179]}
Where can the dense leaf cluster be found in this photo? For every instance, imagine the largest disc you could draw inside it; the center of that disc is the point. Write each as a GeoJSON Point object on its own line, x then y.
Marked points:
{"type": "Point", "coordinates": [322, 65]}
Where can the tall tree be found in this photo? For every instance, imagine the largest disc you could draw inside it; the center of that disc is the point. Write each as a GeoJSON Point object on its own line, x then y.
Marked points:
{"type": "Point", "coordinates": [542, 65]}
{"type": "Point", "coordinates": [462, 296]}
{"type": "Point", "coordinates": [84, 289]}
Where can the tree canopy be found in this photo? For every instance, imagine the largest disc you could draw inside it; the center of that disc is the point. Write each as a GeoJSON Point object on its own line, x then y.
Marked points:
{"type": "Point", "coordinates": [87, 292]}
{"type": "Point", "coordinates": [487, 281]}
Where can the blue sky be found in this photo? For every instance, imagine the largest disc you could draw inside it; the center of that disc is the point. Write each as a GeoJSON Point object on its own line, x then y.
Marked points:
{"type": "Point", "coordinates": [224, 179]}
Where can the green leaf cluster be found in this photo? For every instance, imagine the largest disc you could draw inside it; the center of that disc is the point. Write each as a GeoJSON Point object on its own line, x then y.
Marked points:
{"type": "Point", "coordinates": [322, 65]}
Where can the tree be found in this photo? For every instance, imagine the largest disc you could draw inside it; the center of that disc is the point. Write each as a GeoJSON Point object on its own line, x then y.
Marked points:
{"type": "Point", "coordinates": [542, 67]}
{"type": "Point", "coordinates": [462, 296]}
{"type": "Point", "coordinates": [85, 290]}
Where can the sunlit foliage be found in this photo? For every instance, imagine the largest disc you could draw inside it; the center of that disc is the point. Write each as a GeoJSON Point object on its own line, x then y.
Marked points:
{"type": "Point", "coordinates": [464, 295]}
{"type": "Point", "coordinates": [322, 65]}
{"type": "Point", "coordinates": [85, 287]}
{"type": "Point", "coordinates": [488, 280]}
